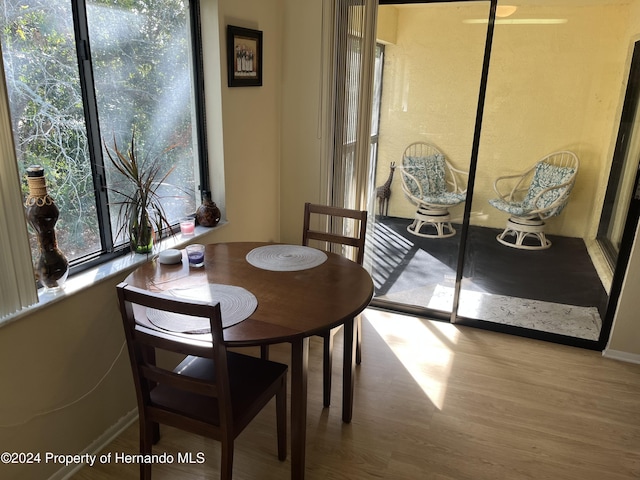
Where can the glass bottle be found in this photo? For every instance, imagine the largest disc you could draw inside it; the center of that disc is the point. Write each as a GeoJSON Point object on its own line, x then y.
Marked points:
{"type": "Point", "coordinates": [51, 267]}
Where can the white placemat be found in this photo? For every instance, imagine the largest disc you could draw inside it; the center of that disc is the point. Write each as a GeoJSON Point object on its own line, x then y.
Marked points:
{"type": "Point", "coordinates": [236, 304]}
{"type": "Point", "coordinates": [286, 258]}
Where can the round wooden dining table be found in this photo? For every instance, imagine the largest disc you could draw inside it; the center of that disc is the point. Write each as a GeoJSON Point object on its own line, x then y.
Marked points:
{"type": "Point", "coordinates": [292, 305]}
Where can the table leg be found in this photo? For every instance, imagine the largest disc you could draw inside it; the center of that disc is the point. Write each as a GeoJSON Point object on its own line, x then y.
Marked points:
{"type": "Point", "coordinates": [348, 370]}
{"type": "Point", "coordinates": [299, 368]}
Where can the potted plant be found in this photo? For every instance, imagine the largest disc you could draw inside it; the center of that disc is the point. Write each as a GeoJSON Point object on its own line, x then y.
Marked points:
{"type": "Point", "coordinates": [140, 208]}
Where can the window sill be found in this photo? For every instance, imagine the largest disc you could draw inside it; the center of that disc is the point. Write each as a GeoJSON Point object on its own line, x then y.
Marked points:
{"type": "Point", "coordinates": [104, 271]}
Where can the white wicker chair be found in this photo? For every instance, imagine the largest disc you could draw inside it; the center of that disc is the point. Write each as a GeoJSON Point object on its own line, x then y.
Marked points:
{"type": "Point", "coordinates": [433, 185]}
{"type": "Point", "coordinates": [533, 196]}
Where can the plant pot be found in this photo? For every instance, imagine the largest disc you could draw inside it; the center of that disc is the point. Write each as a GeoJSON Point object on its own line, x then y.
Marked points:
{"type": "Point", "coordinates": [141, 235]}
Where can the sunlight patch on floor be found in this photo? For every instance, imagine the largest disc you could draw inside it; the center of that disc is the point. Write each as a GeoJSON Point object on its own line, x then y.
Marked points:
{"type": "Point", "coordinates": [470, 306]}
{"type": "Point", "coordinates": [425, 348]}
{"type": "Point", "coordinates": [571, 320]}
{"type": "Point", "coordinates": [441, 299]}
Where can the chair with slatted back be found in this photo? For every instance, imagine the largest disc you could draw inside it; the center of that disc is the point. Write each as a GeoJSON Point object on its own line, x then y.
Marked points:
{"type": "Point", "coordinates": [351, 227]}
{"type": "Point", "coordinates": [212, 392]}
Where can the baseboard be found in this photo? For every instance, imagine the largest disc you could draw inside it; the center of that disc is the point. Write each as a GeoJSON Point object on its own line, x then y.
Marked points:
{"type": "Point", "coordinates": [99, 444]}
{"type": "Point", "coordinates": [622, 356]}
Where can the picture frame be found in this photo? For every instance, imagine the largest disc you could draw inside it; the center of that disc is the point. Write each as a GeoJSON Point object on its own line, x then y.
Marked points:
{"type": "Point", "coordinates": [244, 57]}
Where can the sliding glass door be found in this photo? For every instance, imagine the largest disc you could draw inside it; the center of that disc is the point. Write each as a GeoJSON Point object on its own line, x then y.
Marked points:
{"type": "Point", "coordinates": [527, 262]}
{"type": "Point", "coordinates": [623, 168]}
{"type": "Point", "coordinates": [431, 78]}
{"type": "Point", "coordinates": [498, 90]}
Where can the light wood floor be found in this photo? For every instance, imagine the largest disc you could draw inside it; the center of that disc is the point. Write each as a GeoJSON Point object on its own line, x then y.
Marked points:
{"type": "Point", "coordinates": [436, 401]}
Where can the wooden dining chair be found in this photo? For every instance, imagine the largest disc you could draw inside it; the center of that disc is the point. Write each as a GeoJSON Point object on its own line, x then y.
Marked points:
{"type": "Point", "coordinates": [212, 392]}
{"type": "Point", "coordinates": [346, 229]}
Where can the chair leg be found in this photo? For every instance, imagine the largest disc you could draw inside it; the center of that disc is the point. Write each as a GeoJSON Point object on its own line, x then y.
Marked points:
{"type": "Point", "coordinates": [281, 420]}
{"type": "Point", "coordinates": [358, 339]}
{"type": "Point", "coordinates": [522, 228]}
{"type": "Point", "coordinates": [327, 360]}
{"type": "Point", "coordinates": [264, 352]}
{"type": "Point", "coordinates": [155, 435]}
{"type": "Point", "coordinates": [327, 364]}
{"type": "Point", "coordinates": [147, 431]}
{"type": "Point", "coordinates": [226, 460]}
{"type": "Point", "coordinates": [437, 219]}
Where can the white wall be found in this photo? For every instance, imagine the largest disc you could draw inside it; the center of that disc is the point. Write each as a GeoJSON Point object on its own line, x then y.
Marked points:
{"type": "Point", "coordinates": [251, 122]}
{"type": "Point", "coordinates": [59, 353]}
{"type": "Point", "coordinates": [303, 130]}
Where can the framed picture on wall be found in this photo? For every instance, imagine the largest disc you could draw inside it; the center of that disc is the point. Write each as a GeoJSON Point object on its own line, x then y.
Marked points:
{"type": "Point", "coordinates": [244, 57]}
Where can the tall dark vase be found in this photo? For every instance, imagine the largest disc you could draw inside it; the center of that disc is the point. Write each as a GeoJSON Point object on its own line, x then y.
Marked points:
{"type": "Point", "coordinates": [208, 214]}
{"type": "Point", "coordinates": [51, 267]}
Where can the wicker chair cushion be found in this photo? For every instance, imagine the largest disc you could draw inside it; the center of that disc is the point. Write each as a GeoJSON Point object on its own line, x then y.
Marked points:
{"type": "Point", "coordinates": [545, 176]}
{"type": "Point", "coordinates": [430, 173]}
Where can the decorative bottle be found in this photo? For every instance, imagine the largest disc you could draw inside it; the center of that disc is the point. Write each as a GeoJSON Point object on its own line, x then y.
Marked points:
{"type": "Point", "coordinates": [208, 214]}
{"type": "Point", "coordinates": [51, 267]}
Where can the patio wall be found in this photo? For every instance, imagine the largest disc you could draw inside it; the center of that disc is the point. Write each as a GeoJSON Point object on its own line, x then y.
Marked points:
{"type": "Point", "coordinates": [550, 87]}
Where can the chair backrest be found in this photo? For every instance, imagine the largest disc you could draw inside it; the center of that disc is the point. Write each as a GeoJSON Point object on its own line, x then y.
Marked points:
{"type": "Point", "coordinates": [426, 172]}
{"type": "Point", "coordinates": [553, 179]}
{"type": "Point", "coordinates": [344, 226]}
{"type": "Point", "coordinates": [143, 343]}
{"type": "Point", "coordinates": [421, 149]}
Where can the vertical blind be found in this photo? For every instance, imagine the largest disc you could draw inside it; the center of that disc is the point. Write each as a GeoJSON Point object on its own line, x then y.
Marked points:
{"type": "Point", "coordinates": [17, 284]}
{"type": "Point", "coordinates": [353, 54]}
{"type": "Point", "coordinates": [354, 41]}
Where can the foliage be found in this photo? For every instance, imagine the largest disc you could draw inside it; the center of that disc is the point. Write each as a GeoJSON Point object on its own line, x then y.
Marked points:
{"type": "Point", "coordinates": [139, 204]}
{"type": "Point", "coordinates": [47, 114]}
{"type": "Point", "coordinates": [140, 57]}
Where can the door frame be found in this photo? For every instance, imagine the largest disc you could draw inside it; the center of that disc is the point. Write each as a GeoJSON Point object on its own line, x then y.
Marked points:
{"type": "Point", "coordinates": [629, 109]}
{"type": "Point", "coordinates": [454, 317]}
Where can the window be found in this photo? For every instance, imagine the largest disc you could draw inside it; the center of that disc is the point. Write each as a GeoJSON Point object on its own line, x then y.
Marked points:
{"type": "Point", "coordinates": [83, 74]}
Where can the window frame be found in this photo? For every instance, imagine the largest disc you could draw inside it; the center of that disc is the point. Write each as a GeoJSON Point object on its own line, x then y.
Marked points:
{"type": "Point", "coordinates": [83, 48]}
{"type": "Point", "coordinates": [109, 250]}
